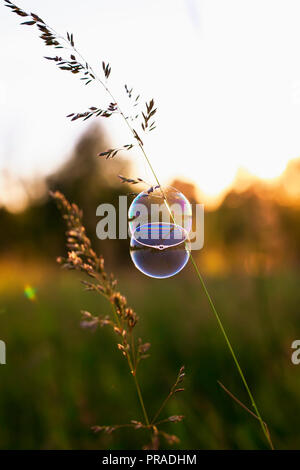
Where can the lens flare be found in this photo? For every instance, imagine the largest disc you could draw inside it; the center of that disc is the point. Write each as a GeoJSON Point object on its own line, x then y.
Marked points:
{"type": "Point", "coordinates": [30, 293]}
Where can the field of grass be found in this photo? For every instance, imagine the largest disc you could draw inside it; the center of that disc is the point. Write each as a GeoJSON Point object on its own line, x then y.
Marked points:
{"type": "Point", "coordinates": [60, 380]}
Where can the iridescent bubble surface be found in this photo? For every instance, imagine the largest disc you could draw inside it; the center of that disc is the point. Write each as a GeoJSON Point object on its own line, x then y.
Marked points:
{"type": "Point", "coordinates": [150, 207]}
{"type": "Point", "coordinates": [159, 250]}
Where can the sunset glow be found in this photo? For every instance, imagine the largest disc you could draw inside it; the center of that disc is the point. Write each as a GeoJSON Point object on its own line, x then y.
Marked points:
{"type": "Point", "coordinates": [237, 107]}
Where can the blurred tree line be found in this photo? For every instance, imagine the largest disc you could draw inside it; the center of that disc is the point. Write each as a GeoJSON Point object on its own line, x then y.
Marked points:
{"type": "Point", "coordinates": [85, 179]}
{"type": "Point", "coordinates": [254, 229]}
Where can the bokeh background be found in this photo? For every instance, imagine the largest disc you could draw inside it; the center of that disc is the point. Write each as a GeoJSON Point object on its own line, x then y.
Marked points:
{"type": "Point", "coordinates": [226, 78]}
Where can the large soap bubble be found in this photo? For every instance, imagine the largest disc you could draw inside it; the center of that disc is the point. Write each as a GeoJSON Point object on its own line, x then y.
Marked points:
{"type": "Point", "coordinates": [159, 250]}
{"type": "Point", "coordinates": [160, 205]}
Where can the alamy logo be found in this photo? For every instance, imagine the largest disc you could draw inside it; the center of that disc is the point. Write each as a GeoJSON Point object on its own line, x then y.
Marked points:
{"type": "Point", "coordinates": [121, 224]}
{"type": "Point", "coordinates": [2, 352]}
{"type": "Point", "coordinates": [296, 354]}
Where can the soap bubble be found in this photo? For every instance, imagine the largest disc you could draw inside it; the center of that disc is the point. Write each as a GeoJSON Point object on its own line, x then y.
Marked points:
{"type": "Point", "coordinates": [160, 220]}
{"type": "Point", "coordinates": [160, 250]}
{"type": "Point", "coordinates": [150, 207]}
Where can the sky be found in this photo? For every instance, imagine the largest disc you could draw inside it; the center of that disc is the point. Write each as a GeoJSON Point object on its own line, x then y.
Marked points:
{"type": "Point", "coordinates": [224, 75]}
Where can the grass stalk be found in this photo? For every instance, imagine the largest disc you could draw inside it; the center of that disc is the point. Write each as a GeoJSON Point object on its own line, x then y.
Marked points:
{"type": "Point", "coordinates": [203, 285]}
{"type": "Point", "coordinates": [157, 414]}
{"type": "Point", "coordinates": [133, 371]}
{"type": "Point", "coordinates": [240, 371]}
{"type": "Point", "coordinates": [210, 301]}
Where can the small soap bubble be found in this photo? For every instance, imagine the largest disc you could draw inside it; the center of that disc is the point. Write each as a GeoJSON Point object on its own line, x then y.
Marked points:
{"type": "Point", "coordinates": [160, 250]}
{"type": "Point", "coordinates": [154, 206]}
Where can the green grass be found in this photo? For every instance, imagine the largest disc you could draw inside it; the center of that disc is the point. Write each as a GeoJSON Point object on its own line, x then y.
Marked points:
{"type": "Point", "coordinates": [60, 380]}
